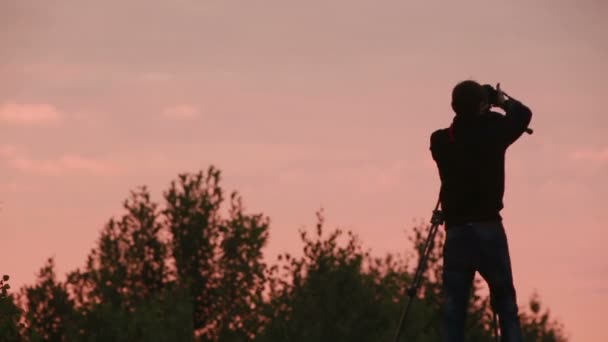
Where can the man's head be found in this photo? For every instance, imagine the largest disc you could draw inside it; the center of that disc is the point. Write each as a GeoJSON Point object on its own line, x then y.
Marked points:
{"type": "Point", "coordinates": [469, 99]}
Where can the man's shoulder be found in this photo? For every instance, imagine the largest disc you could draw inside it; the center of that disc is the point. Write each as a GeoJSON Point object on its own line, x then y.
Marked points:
{"type": "Point", "coordinates": [439, 132]}
{"type": "Point", "coordinates": [439, 136]}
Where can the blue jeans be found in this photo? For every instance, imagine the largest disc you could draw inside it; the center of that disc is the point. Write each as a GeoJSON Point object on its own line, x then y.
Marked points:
{"type": "Point", "coordinates": [482, 247]}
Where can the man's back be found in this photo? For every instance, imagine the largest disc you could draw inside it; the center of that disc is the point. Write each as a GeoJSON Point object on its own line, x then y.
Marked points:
{"type": "Point", "coordinates": [470, 156]}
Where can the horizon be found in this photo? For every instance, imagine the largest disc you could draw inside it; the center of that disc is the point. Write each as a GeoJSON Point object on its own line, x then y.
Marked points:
{"type": "Point", "coordinates": [304, 106]}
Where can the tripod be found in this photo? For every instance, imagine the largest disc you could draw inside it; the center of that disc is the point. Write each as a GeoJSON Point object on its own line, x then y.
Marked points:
{"type": "Point", "coordinates": [436, 220]}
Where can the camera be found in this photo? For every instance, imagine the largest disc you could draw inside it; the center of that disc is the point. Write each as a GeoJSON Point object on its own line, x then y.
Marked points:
{"type": "Point", "coordinates": [491, 94]}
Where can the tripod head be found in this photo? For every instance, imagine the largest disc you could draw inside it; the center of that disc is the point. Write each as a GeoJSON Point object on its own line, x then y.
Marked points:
{"type": "Point", "coordinates": [437, 219]}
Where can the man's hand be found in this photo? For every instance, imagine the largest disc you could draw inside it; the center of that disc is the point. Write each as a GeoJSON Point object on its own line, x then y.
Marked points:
{"type": "Point", "coordinates": [501, 98]}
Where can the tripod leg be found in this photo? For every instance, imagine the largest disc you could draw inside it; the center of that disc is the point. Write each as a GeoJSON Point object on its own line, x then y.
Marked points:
{"type": "Point", "coordinates": [496, 327]}
{"type": "Point", "coordinates": [413, 290]}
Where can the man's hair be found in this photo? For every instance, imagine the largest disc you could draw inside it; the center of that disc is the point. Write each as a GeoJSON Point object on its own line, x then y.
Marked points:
{"type": "Point", "coordinates": [466, 98]}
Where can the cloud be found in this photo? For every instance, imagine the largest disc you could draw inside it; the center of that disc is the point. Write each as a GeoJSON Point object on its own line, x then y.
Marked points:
{"type": "Point", "coordinates": [590, 154]}
{"type": "Point", "coordinates": [363, 177]}
{"type": "Point", "coordinates": [29, 114]}
{"type": "Point", "coordinates": [182, 112]}
{"type": "Point", "coordinates": [59, 166]}
{"type": "Point", "coordinates": [156, 76]}
{"type": "Point", "coordinates": [7, 151]}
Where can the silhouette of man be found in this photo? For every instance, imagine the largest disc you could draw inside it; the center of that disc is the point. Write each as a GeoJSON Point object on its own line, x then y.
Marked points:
{"type": "Point", "coordinates": [470, 156]}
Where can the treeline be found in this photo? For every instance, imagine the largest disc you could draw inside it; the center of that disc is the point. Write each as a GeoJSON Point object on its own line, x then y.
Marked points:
{"type": "Point", "coordinates": [192, 269]}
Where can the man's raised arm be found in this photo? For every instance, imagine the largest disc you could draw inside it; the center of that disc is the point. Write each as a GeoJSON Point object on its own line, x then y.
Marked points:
{"type": "Point", "coordinates": [516, 120]}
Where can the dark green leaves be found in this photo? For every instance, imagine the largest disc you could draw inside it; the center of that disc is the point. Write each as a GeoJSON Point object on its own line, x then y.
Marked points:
{"type": "Point", "coordinates": [192, 269]}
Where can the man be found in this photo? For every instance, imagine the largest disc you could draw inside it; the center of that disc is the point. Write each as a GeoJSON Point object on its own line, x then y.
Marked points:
{"type": "Point", "coordinates": [470, 156]}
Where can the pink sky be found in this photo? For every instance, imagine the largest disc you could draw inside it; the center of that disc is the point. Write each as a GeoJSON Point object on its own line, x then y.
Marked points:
{"type": "Point", "coordinates": [304, 105]}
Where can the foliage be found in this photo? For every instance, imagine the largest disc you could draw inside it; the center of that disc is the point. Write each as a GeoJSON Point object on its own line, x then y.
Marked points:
{"type": "Point", "coordinates": [9, 313]}
{"type": "Point", "coordinates": [537, 324]}
{"type": "Point", "coordinates": [50, 314]}
{"type": "Point", "coordinates": [333, 292]}
{"type": "Point", "coordinates": [192, 269]}
{"type": "Point", "coordinates": [219, 260]}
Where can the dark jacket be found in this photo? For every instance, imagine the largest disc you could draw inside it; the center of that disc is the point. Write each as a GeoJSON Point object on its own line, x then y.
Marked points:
{"type": "Point", "coordinates": [470, 156]}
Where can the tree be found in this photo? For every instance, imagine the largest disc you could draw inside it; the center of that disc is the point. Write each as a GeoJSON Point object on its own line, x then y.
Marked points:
{"type": "Point", "coordinates": [333, 292]}
{"type": "Point", "coordinates": [242, 272]}
{"type": "Point", "coordinates": [538, 326]}
{"type": "Point", "coordinates": [128, 265]}
{"type": "Point", "coordinates": [192, 217]}
{"type": "Point", "coordinates": [219, 260]}
{"type": "Point", "coordinates": [50, 313]}
{"type": "Point", "coordinates": [123, 292]}
{"type": "Point", "coordinates": [210, 264]}
{"type": "Point", "coordinates": [9, 313]}
{"type": "Point", "coordinates": [193, 270]}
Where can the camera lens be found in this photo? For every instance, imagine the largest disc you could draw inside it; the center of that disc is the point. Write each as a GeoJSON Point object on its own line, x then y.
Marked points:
{"type": "Point", "coordinates": [491, 94]}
